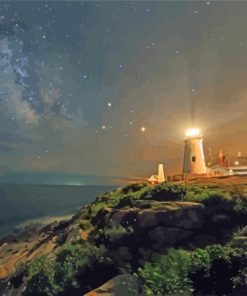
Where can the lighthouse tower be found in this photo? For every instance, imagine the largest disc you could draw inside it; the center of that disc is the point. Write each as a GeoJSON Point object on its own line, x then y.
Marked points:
{"type": "Point", "coordinates": [161, 175]}
{"type": "Point", "coordinates": [194, 160]}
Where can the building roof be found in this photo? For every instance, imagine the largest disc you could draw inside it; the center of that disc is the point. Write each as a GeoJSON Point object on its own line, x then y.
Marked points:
{"type": "Point", "coordinates": [153, 178]}
{"type": "Point", "coordinates": [228, 161]}
{"type": "Point", "coordinates": [219, 166]}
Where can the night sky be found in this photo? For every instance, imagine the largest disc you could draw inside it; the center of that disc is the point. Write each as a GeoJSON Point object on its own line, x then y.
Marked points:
{"type": "Point", "coordinates": [109, 88]}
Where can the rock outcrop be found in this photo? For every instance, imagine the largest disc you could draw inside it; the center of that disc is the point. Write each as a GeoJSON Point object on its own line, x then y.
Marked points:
{"type": "Point", "coordinates": [160, 226]}
{"type": "Point", "coordinates": [121, 285]}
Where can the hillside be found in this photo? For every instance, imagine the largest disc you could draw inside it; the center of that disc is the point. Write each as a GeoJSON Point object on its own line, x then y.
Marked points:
{"type": "Point", "coordinates": [169, 239]}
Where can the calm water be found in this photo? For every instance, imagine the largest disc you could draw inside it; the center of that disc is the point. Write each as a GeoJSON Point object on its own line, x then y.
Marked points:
{"type": "Point", "coordinates": [20, 204]}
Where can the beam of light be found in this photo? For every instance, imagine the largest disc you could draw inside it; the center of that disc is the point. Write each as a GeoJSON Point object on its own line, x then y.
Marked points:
{"type": "Point", "coordinates": [193, 132]}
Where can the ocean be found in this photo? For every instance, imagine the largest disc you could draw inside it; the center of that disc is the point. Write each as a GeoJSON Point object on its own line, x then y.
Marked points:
{"type": "Point", "coordinates": [23, 204]}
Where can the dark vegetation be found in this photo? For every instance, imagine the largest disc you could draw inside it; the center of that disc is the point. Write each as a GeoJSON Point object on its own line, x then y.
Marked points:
{"type": "Point", "coordinates": [187, 268]}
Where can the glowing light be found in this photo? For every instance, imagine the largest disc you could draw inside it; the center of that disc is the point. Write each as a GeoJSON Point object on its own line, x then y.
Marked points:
{"type": "Point", "coordinates": [103, 127]}
{"type": "Point", "coordinates": [236, 163]}
{"type": "Point", "coordinates": [109, 104]}
{"type": "Point", "coordinates": [143, 129]}
{"type": "Point", "coordinates": [193, 132]}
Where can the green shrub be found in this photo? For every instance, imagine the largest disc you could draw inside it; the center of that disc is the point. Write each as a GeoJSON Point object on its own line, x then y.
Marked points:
{"type": "Point", "coordinates": [115, 233]}
{"type": "Point", "coordinates": [217, 197]}
{"type": "Point", "coordinates": [167, 274]}
{"type": "Point", "coordinates": [240, 206]}
{"type": "Point", "coordinates": [200, 260]}
{"type": "Point", "coordinates": [126, 201]}
{"type": "Point", "coordinates": [133, 188]}
{"type": "Point", "coordinates": [41, 278]}
{"type": "Point", "coordinates": [196, 196]}
{"type": "Point", "coordinates": [73, 258]}
{"type": "Point", "coordinates": [85, 224]}
{"type": "Point", "coordinates": [218, 252]}
{"type": "Point", "coordinates": [181, 272]}
{"type": "Point", "coordinates": [46, 277]}
{"type": "Point", "coordinates": [163, 192]}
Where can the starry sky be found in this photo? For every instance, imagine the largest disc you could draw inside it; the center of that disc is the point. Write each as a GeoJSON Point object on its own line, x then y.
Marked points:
{"type": "Point", "coordinates": [108, 89]}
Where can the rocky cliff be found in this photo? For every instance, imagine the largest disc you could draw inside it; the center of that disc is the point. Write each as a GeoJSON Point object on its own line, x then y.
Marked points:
{"type": "Point", "coordinates": [115, 239]}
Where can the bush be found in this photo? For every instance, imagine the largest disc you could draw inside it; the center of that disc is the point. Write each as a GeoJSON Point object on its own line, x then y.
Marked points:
{"type": "Point", "coordinates": [167, 274]}
{"type": "Point", "coordinates": [210, 271]}
{"type": "Point", "coordinates": [85, 224]}
{"type": "Point", "coordinates": [41, 278]}
{"type": "Point", "coordinates": [48, 277]}
{"type": "Point", "coordinates": [163, 192]}
{"type": "Point", "coordinates": [116, 233]}
{"type": "Point", "coordinates": [73, 259]}
{"type": "Point", "coordinates": [126, 201]}
{"type": "Point", "coordinates": [240, 206]}
{"type": "Point", "coordinates": [133, 188]}
{"type": "Point", "coordinates": [200, 260]}
{"type": "Point", "coordinates": [219, 252]}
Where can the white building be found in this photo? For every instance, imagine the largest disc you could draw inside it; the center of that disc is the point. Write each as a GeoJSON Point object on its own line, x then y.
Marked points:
{"type": "Point", "coordinates": [228, 166]}
{"type": "Point", "coordinates": [160, 178]}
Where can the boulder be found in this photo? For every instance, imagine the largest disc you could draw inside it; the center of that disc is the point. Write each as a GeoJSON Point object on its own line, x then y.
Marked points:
{"type": "Point", "coordinates": [121, 285]}
{"type": "Point", "coordinates": [162, 225]}
{"type": "Point", "coordinates": [184, 215]}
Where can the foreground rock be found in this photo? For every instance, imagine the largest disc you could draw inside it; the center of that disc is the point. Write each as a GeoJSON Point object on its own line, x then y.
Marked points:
{"type": "Point", "coordinates": [121, 285]}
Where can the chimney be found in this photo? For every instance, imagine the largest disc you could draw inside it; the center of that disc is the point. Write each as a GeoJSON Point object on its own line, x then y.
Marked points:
{"type": "Point", "coordinates": [221, 157]}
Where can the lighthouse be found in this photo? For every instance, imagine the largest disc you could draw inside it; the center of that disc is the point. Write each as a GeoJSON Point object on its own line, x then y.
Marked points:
{"type": "Point", "coordinates": [194, 160]}
{"type": "Point", "coordinates": [161, 175]}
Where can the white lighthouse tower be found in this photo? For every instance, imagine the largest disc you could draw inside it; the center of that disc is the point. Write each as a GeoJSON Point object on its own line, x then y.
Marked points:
{"type": "Point", "coordinates": [161, 175]}
{"type": "Point", "coordinates": [194, 160]}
